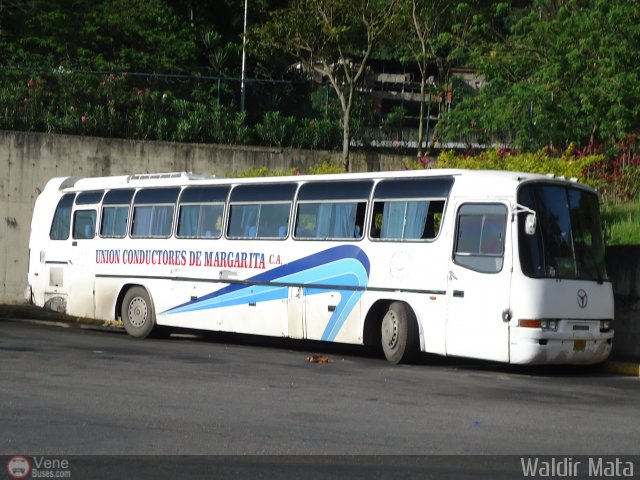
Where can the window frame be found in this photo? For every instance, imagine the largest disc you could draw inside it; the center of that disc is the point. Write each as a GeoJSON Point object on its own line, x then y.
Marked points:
{"type": "Point", "coordinates": [483, 210]}
{"type": "Point", "coordinates": [59, 215]}
{"type": "Point", "coordinates": [116, 199]}
{"type": "Point", "coordinates": [154, 199]}
{"type": "Point", "coordinates": [80, 235]}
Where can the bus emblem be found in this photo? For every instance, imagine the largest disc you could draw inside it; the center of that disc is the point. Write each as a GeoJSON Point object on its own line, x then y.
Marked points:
{"type": "Point", "coordinates": [582, 298]}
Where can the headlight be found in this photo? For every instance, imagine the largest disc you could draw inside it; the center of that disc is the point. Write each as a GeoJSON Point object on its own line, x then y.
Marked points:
{"type": "Point", "coordinates": [544, 324]}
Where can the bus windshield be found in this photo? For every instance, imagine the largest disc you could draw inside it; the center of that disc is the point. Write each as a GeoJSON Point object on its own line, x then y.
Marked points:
{"type": "Point", "coordinates": [568, 240]}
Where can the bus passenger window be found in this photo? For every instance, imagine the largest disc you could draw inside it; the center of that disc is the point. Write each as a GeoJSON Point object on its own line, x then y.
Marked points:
{"type": "Point", "coordinates": [262, 221]}
{"type": "Point", "coordinates": [114, 221]}
{"type": "Point", "coordinates": [406, 219]}
{"type": "Point", "coordinates": [84, 224]}
{"type": "Point", "coordinates": [330, 220]}
{"type": "Point", "coordinates": [153, 212]}
{"type": "Point", "coordinates": [115, 213]}
{"type": "Point", "coordinates": [62, 218]}
{"type": "Point", "coordinates": [200, 221]}
{"type": "Point", "coordinates": [152, 221]}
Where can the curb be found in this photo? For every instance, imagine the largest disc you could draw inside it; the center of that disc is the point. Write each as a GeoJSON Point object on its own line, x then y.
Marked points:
{"type": "Point", "coordinates": [629, 369]}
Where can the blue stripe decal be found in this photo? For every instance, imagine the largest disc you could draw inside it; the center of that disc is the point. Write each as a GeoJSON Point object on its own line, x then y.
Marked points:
{"type": "Point", "coordinates": [346, 265]}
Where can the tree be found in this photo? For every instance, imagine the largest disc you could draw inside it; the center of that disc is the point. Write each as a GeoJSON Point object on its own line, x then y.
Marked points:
{"type": "Point", "coordinates": [334, 38]}
{"type": "Point", "coordinates": [432, 33]}
{"type": "Point", "coordinates": [566, 73]}
{"type": "Point", "coordinates": [134, 35]}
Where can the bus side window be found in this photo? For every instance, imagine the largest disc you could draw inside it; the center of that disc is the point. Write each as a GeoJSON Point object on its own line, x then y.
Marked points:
{"type": "Point", "coordinates": [62, 218]}
{"type": "Point", "coordinates": [434, 219]}
{"type": "Point", "coordinates": [114, 221]}
{"type": "Point", "coordinates": [263, 221]}
{"type": "Point", "coordinates": [409, 209]}
{"type": "Point", "coordinates": [153, 210]}
{"type": "Point", "coordinates": [260, 211]}
{"type": "Point", "coordinates": [330, 220]}
{"type": "Point", "coordinates": [201, 211]}
{"type": "Point", "coordinates": [200, 221]}
{"type": "Point", "coordinates": [480, 237]}
{"type": "Point", "coordinates": [406, 219]}
{"type": "Point", "coordinates": [84, 224]}
{"type": "Point", "coordinates": [115, 213]}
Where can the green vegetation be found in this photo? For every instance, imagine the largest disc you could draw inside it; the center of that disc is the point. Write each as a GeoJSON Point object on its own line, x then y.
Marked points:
{"type": "Point", "coordinates": [559, 80]}
{"type": "Point", "coordinates": [621, 223]}
{"type": "Point", "coordinates": [617, 181]}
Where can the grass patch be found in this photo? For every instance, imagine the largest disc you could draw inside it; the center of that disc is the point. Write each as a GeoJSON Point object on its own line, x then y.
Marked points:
{"type": "Point", "coordinates": [621, 223]}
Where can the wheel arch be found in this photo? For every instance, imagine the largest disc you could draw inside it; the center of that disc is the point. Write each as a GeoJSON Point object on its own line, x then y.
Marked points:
{"type": "Point", "coordinates": [123, 291]}
{"type": "Point", "coordinates": [371, 334]}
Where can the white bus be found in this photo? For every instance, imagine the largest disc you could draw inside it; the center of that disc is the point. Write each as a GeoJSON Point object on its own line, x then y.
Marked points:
{"type": "Point", "coordinates": [492, 265]}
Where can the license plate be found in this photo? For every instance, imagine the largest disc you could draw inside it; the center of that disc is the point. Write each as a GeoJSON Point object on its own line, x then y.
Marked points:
{"type": "Point", "coordinates": [579, 345]}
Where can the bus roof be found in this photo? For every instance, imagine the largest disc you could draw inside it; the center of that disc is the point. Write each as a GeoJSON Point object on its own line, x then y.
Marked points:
{"type": "Point", "coordinates": [502, 182]}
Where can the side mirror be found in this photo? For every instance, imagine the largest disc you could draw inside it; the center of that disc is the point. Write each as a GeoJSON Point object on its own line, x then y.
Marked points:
{"type": "Point", "coordinates": [530, 224]}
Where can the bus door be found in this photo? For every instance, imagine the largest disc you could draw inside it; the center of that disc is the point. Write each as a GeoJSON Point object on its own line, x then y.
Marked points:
{"type": "Point", "coordinates": [56, 256]}
{"type": "Point", "coordinates": [479, 280]}
{"type": "Point", "coordinates": [81, 263]}
{"type": "Point", "coordinates": [296, 312]}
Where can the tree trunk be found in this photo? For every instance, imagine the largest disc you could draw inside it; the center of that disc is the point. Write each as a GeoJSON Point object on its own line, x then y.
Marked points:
{"type": "Point", "coordinates": [421, 123]}
{"type": "Point", "coordinates": [346, 138]}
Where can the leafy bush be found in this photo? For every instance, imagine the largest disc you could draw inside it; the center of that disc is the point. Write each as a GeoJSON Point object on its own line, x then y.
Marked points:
{"type": "Point", "coordinates": [318, 134]}
{"type": "Point", "coordinates": [621, 223]}
{"type": "Point", "coordinates": [571, 164]}
{"type": "Point", "coordinates": [276, 130]}
{"type": "Point", "coordinates": [619, 177]}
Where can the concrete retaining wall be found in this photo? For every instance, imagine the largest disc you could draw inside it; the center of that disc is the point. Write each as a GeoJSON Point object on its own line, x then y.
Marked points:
{"type": "Point", "coordinates": [623, 265]}
{"type": "Point", "coordinates": [28, 160]}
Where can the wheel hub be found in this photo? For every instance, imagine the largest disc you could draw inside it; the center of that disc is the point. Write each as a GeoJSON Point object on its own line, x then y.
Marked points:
{"type": "Point", "coordinates": [137, 312]}
{"type": "Point", "coordinates": [390, 330]}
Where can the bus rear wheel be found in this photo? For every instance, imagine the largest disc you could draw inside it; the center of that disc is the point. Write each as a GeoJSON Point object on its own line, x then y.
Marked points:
{"type": "Point", "coordinates": [399, 333]}
{"type": "Point", "coordinates": [138, 314]}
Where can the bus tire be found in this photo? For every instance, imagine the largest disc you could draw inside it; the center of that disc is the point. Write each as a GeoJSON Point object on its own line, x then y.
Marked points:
{"type": "Point", "coordinates": [138, 314]}
{"type": "Point", "coordinates": [399, 333]}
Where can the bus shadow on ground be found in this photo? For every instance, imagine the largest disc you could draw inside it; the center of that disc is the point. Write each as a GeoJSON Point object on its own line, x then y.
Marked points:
{"type": "Point", "coordinates": [312, 347]}
{"type": "Point", "coordinates": [337, 350]}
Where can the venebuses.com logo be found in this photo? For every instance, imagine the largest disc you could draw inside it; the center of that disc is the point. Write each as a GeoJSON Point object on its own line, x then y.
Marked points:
{"type": "Point", "coordinates": [19, 466]}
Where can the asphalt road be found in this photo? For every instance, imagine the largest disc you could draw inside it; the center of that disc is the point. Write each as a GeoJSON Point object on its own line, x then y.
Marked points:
{"type": "Point", "coordinates": [71, 391]}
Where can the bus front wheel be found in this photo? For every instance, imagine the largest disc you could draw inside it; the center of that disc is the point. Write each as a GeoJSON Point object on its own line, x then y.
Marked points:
{"type": "Point", "coordinates": [399, 333]}
{"type": "Point", "coordinates": [138, 314]}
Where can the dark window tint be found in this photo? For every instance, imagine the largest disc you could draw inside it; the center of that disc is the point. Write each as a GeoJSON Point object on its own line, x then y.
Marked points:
{"type": "Point", "coordinates": [414, 188]}
{"type": "Point", "coordinates": [88, 198]}
{"type": "Point", "coordinates": [156, 195]}
{"type": "Point", "coordinates": [84, 224]}
{"type": "Point", "coordinates": [118, 197]}
{"type": "Point", "coordinates": [62, 218]}
{"type": "Point", "coordinates": [276, 192]}
{"type": "Point", "coordinates": [568, 241]}
{"type": "Point", "coordinates": [204, 194]}
{"type": "Point", "coordinates": [338, 190]}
